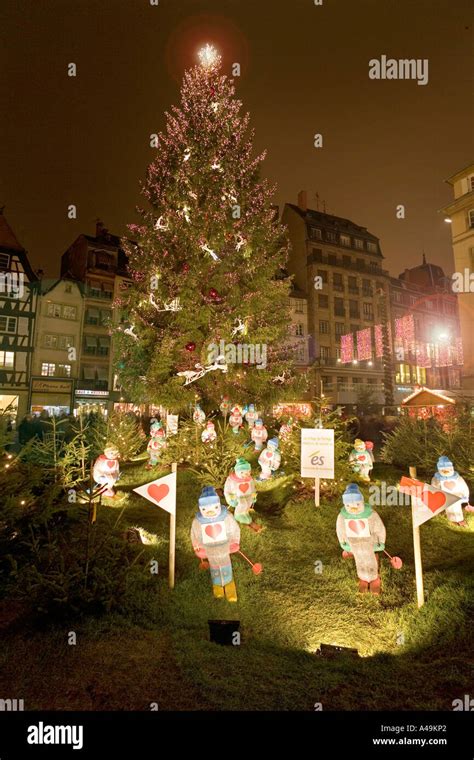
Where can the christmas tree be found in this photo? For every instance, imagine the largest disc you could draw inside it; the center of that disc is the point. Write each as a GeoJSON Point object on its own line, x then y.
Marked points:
{"type": "Point", "coordinates": [208, 309]}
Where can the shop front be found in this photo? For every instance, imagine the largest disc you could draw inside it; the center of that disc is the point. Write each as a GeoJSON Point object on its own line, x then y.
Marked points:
{"type": "Point", "coordinates": [91, 401]}
{"type": "Point", "coordinates": [53, 395]}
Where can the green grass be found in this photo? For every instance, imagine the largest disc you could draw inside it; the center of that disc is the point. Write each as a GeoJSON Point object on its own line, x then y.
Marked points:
{"type": "Point", "coordinates": [159, 649]}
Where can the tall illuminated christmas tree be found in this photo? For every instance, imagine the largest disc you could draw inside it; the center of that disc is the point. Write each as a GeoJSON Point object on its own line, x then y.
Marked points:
{"type": "Point", "coordinates": [208, 309]}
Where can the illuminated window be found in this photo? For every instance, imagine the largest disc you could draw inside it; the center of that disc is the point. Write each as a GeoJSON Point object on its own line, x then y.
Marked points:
{"type": "Point", "coordinates": [54, 310]}
{"type": "Point", "coordinates": [323, 326]}
{"type": "Point", "coordinates": [372, 247]}
{"type": "Point", "coordinates": [48, 370]}
{"type": "Point", "coordinates": [7, 359]}
{"type": "Point", "coordinates": [64, 370]}
{"type": "Point", "coordinates": [345, 240]}
{"type": "Point", "coordinates": [359, 243]}
{"type": "Point", "coordinates": [69, 312]}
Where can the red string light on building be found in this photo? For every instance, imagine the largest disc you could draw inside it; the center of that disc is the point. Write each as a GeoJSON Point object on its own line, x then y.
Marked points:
{"type": "Point", "coordinates": [347, 348]}
{"type": "Point", "coordinates": [364, 344]}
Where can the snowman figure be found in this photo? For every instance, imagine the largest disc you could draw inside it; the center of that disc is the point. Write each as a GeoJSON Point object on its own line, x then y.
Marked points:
{"type": "Point", "coordinates": [450, 481]}
{"type": "Point", "coordinates": [259, 434]}
{"type": "Point", "coordinates": [269, 460]}
{"type": "Point", "coordinates": [106, 470]}
{"type": "Point", "coordinates": [235, 419]}
{"type": "Point", "coordinates": [286, 429]}
{"type": "Point", "coordinates": [251, 416]}
{"type": "Point", "coordinates": [215, 535]}
{"type": "Point", "coordinates": [156, 444]}
{"type": "Point", "coordinates": [225, 406]}
{"type": "Point", "coordinates": [241, 494]}
{"type": "Point", "coordinates": [361, 534]}
{"type": "Point", "coordinates": [361, 460]}
{"type": "Point", "coordinates": [209, 434]}
{"type": "Point", "coordinates": [199, 416]}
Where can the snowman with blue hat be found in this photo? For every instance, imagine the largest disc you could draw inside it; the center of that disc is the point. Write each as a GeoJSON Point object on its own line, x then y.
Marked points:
{"type": "Point", "coordinates": [251, 416]}
{"type": "Point", "coordinates": [269, 460]}
{"type": "Point", "coordinates": [215, 535]}
{"type": "Point", "coordinates": [361, 534]}
{"type": "Point", "coordinates": [450, 481]}
{"type": "Point", "coordinates": [241, 493]}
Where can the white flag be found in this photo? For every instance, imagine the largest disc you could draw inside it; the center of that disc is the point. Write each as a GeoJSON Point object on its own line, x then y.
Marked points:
{"type": "Point", "coordinates": [161, 492]}
{"type": "Point", "coordinates": [427, 500]}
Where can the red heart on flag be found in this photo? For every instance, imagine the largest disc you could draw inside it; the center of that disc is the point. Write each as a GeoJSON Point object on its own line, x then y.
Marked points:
{"type": "Point", "coordinates": [158, 493]}
{"type": "Point", "coordinates": [356, 526]}
{"type": "Point", "coordinates": [449, 484]}
{"type": "Point", "coordinates": [244, 487]}
{"type": "Point", "coordinates": [213, 530]}
{"type": "Point", "coordinates": [110, 463]}
{"type": "Point", "coordinates": [433, 500]}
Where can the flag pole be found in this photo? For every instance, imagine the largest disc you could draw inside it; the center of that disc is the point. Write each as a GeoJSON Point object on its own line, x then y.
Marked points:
{"type": "Point", "coordinates": [172, 546]}
{"type": "Point", "coordinates": [420, 595]}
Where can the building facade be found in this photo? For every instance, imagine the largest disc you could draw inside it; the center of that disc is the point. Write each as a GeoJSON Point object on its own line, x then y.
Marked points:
{"type": "Point", "coordinates": [18, 296]}
{"type": "Point", "coordinates": [100, 264]}
{"type": "Point", "coordinates": [461, 215]}
{"type": "Point", "coordinates": [57, 345]}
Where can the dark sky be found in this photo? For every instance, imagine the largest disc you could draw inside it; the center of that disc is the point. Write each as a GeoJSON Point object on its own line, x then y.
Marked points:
{"type": "Point", "coordinates": [304, 70]}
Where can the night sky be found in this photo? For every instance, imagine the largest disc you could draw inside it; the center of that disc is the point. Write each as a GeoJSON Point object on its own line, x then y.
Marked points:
{"type": "Point", "coordinates": [85, 140]}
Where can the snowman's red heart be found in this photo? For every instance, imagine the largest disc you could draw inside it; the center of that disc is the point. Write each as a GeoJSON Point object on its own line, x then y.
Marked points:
{"type": "Point", "coordinates": [449, 484]}
{"type": "Point", "coordinates": [158, 493]}
{"type": "Point", "coordinates": [213, 530]}
{"type": "Point", "coordinates": [269, 454]}
{"type": "Point", "coordinates": [433, 500]}
{"type": "Point", "coordinates": [361, 458]}
{"type": "Point", "coordinates": [244, 487]}
{"type": "Point", "coordinates": [356, 526]}
{"type": "Point", "coordinates": [110, 463]}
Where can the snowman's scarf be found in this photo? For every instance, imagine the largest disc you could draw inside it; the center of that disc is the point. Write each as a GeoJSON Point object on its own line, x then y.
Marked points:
{"type": "Point", "coordinates": [221, 516]}
{"type": "Point", "coordinates": [454, 476]}
{"type": "Point", "coordinates": [366, 512]}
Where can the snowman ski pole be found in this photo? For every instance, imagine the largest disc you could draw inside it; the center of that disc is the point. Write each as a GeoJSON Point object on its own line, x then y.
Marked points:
{"type": "Point", "coordinates": [256, 566]}
{"type": "Point", "coordinates": [396, 562]}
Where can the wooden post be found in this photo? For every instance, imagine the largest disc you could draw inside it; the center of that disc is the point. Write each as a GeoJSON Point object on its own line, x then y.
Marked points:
{"type": "Point", "coordinates": [420, 596]}
{"type": "Point", "coordinates": [172, 546]}
{"type": "Point", "coordinates": [316, 492]}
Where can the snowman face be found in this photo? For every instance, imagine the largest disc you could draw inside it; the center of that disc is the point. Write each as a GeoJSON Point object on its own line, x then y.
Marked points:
{"type": "Point", "coordinates": [359, 446]}
{"type": "Point", "coordinates": [111, 453]}
{"type": "Point", "coordinates": [446, 471]}
{"type": "Point", "coordinates": [210, 510]}
{"type": "Point", "coordinates": [271, 447]}
{"type": "Point", "coordinates": [355, 507]}
{"type": "Point", "coordinates": [259, 425]}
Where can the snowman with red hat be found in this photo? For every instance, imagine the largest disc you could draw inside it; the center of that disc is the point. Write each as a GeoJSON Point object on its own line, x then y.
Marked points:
{"type": "Point", "coordinates": [259, 434]}
{"type": "Point", "coordinates": [215, 535]}
{"type": "Point", "coordinates": [361, 534]}
{"type": "Point", "coordinates": [209, 434]}
{"type": "Point", "coordinates": [269, 460]}
{"type": "Point", "coordinates": [106, 470]}
{"type": "Point", "coordinates": [241, 494]}
{"type": "Point", "coordinates": [450, 481]}
{"type": "Point", "coordinates": [361, 459]}
{"type": "Point", "coordinates": [235, 419]}
{"type": "Point", "coordinates": [156, 444]}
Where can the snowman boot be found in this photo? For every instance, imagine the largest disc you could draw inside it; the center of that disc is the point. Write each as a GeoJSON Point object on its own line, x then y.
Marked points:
{"type": "Point", "coordinates": [230, 591]}
{"type": "Point", "coordinates": [218, 591]}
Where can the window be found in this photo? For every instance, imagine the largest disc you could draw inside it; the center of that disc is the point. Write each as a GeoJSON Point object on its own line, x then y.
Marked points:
{"type": "Point", "coordinates": [50, 341]}
{"type": "Point", "coordinates": [332, 259]}
{"type": "Point", "coordinates": [7, 359]}
{"type": "Point", "coordinates": [339, 307]}
{"type": "Point", "coordinates": [324, 326]}
{"type": "Point", "coordinates": [54, 310]}
{"type": "Point", "coordinates": [367, 288]}
{"type": "Point", "coordinates": [298, 306]}
{"type": "Point", "coordinates": [368, 311]}
{"type": "Point", "coordinates": [346, 261]}
{"type": "Point", "coordinates": [323, 273]}
{"type": "Point", "coordinates": [92, 316]}
{"type": "Point", "coordinates": [338, 352]}
{"type": "Point", "coordinates": [345, 240]}
{"type": "Point", "coordinates": [58, 341]}
{"type": "Point", "coordinates": [372, 247]}
{"type": "Point", "coordinates": [337, 281]}
{"type": "Point", "coordinates": [299, 330]}
{"type": "Point", "coordinates": [69, 312]}
{"type": "Point", "coordinates": [471, 217]}
{"type": "Point", "coordinates": [7, 324]}
{"type": "Point", "coordinates": [340, 381]}
{"type": "Point", "coordinates": [353, 285]}
{"type": "Point", "coordinates": [354, 309]}
{"type": "Point", "coordinates": [339, 328]}
{"type": "Point", "coordinates": [48, 370]}
{"type": "Point", "coordinates": [64, 370]}
{"type": "Point", "coordinates": [331, 236]}
{"type": "Point", "coordinates": [359, 243]}
{"type": "Point", "coordinates": [356, 380]}
{"type": "Point", "coordinates": [324, 352]}
{"type": "Point", "coordinates": [65, 341]}
{"type": "Point", "coordinates": [315, 233]}
{"type": "Point", "coordinates": [470, 182]}
{"type": "Point", "coordinates": [105, 316]}
{"type": "Point", "coordinates": [4, 260]}
{"type": "Point", "coordinates": [90, 344]}
{"type": "Point", "coordinates": [374, 265]}
{"type": "Point", "coordinates": [323, 302]}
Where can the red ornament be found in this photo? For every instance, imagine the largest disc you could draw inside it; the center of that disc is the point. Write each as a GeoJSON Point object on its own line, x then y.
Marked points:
{"type": "Point", "coordinates": [213, 295]}
{"type": "Point", "coordinates": [190, 346]}
{"type": "Point", "coordinates": [185, 267]}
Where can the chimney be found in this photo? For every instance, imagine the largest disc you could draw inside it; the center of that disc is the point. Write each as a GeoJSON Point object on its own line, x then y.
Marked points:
{"type": "Point", "coordinates": [303, 200]}
{"type": "Point", "coordinates": [100, 228]}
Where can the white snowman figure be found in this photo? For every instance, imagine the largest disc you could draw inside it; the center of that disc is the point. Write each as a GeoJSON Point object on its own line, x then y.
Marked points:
{"type": "Point", "coordinates": [269, 460]}
{"type": "Point", "coordinates": [106, 470]}
{"type": "Point", "coordinates": [199, 415]}
{"type": "Point", "coordinates": [450, 481]}
{"type": "Point", "coordinates": [259, 434]}
{"type": "Point", "coordinates": [209, 434]}
{"type": "Point", "coordinates": [251, 415]}
{"type": "Point", "coordinates": [235, 419]}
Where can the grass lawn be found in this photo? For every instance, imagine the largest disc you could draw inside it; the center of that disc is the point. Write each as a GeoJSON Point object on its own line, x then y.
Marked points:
{"type": "Point", "coordinates": [158, 651]}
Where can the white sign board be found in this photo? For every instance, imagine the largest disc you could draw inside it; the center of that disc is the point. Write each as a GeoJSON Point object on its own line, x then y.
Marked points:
{"type": "Point", "coordinates": [317, 453]}
{"type": "Point", "coordinates": [172, 424]}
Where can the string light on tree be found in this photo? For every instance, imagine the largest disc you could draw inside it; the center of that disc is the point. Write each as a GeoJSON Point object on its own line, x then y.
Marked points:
{"type": "Point", "coordinates": [208, 56]}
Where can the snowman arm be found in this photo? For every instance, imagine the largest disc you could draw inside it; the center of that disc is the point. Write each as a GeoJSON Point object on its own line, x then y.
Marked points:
{"type": "Point", "coordinates": [196, 540]}
{"type": "Point", "coordinates": [378, 530]}
{"type": "Point", "coordinates": [341, 532]}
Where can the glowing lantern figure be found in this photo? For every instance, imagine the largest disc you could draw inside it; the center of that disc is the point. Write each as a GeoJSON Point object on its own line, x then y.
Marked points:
{"type": "Point", "coordinates": [241, 494]}
{"type": "Point", "coordinates": [215, 535]}
{"type": "Point", "coordinates": [269, 460]}
{"type": "Point", "coordinates": [259, 434]}
{"type": "Point", "coordinates": [235, 419]}
{"type": "Point", "coordinates": [361, 459]}
{"type": "Point", "coordinates": [450, 481]}
{"type": "Point", "coordinates": [361, 534]}
{"type": "Point", "coordinates": [106, 470]}
{"type": "Point", "coordinates": [209, 434]}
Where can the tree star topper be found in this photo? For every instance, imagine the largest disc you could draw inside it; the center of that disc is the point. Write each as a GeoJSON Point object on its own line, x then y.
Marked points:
{"type": "Point", "coordinates": [208, 56]}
